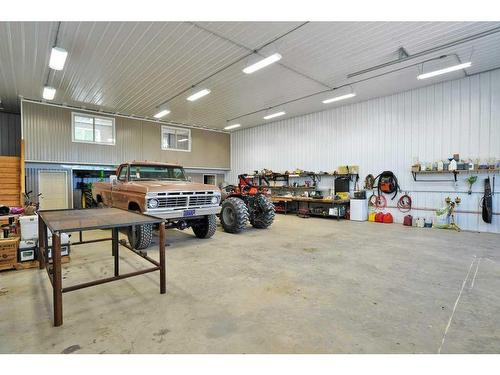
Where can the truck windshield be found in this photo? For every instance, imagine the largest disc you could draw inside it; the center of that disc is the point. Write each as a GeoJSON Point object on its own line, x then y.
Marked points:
{"type": "Point", "coordinates": [156, 172]}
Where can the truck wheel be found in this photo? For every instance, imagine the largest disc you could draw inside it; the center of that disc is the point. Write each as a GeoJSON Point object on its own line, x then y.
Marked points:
{"type": "Point", "coordinates": [206, 228]}
{"type": "Point", "coordinates": [234, 215]}
{"type": "Point", "coordinates": [264, 216]}
{"type": "Point", "coordinates": [143, 236]}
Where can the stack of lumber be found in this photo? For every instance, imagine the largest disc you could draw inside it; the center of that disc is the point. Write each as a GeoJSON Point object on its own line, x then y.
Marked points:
{"type": "Point", "coordinates": [10, 181]}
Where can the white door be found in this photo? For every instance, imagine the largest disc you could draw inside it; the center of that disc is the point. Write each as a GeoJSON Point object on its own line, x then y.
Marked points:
{"type": "Point", "coordinates": [54, 189]}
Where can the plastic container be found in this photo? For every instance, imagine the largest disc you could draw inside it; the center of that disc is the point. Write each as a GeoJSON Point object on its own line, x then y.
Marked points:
{"type": "Point", "coordinates": [359, 209]}
{"type": "Point", "coordinates": [29, 227]}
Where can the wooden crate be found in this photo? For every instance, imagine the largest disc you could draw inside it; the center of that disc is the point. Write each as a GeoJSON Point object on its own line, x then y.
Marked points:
{"type": "Point", "coordinates": [35, 264]}
{"type": "Point", "coordinates": [8, 252]}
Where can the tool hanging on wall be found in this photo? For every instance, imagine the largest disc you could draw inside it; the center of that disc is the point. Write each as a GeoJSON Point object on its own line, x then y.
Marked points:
{"type": "Point", "coordinates": [471, 180]}
{"type": "Point", "coordinates": [369, 182]}
{"type": "Point", "coordinates": [387, 183]}
{"type": "Point", "coordinates": [404, 203]}
{"type": "Point", "coordinates": [487, 201]}
{"type": "Point", "coordinates": [377, 201]}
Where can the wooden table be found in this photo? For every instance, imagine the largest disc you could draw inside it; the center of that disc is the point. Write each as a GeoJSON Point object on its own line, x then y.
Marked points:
{"type": "Point", "coordinates": [66, 221]}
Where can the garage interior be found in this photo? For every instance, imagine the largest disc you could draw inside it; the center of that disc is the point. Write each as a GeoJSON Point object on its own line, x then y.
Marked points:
{"type": "Point", "coordinates": [343, 173]}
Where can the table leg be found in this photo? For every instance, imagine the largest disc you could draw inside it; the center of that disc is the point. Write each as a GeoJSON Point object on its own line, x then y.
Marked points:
{"type": "Point", "coordinates": [81, 236]}
{"type": "Point", "coordinates": [46, 242]}
{"type": "Point", "coordinates": [163, 271]}
{"type": "Point", "coordinates": [115, 245]}
{"type": "Point", "coordinates": [57, 285]}
{"type": "Point", "coordinates": [42, 233]}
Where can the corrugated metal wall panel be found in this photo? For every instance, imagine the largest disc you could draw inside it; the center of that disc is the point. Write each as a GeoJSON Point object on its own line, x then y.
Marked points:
{"type": "Point", "coordinates": [10, 134]}
{"type": "Point", "coordinates": [47, 135]}
{"type": "Point", "coordinates": [386, 133]}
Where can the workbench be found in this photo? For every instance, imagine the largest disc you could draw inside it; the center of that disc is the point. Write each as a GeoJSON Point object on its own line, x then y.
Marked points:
{"type": "Point", "coordinates": [331, 203]}
{"type": "Point", "coordinates": [67, 221]}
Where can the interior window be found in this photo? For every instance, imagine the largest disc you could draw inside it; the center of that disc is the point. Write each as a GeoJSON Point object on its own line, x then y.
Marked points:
{"type": "Point", "coordinates": [175, 138]}
{"type": "Point", "coordinates": [93, 129]}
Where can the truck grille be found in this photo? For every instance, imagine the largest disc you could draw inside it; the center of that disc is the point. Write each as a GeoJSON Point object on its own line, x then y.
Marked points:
{"type": "Point", "coordinates": [181, 200]}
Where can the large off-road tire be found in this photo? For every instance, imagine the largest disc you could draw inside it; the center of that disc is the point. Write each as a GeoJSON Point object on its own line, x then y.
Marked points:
{"type": "Point", "coordinates": [143, 236]}
{"type": "Point", "coordinates": [206, 228]}
{"type": "Point", "coordinates": [234, 215]}
{"type": "Point", "coordinates": [263, 216]}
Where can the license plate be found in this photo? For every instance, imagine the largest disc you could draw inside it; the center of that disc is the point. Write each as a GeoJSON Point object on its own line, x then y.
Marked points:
{"type": "Point", "coordinates": [189, 213]}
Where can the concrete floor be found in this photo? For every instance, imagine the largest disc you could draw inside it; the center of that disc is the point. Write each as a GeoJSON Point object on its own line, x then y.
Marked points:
{"type": "Point", "coordinates": [304, 286]}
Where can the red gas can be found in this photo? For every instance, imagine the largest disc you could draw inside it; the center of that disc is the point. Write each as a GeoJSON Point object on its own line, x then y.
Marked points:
{"type": "Point", "coordinates": [387, 218]}
{"type": "Point", "coordinates": [408, 220]}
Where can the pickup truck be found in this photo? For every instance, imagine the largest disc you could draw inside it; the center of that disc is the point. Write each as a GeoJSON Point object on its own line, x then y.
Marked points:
{"type": "Point", "coordinates": [161, 190]}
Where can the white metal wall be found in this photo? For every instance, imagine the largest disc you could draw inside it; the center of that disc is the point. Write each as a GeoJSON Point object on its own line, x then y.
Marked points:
{"type": "Point", "coordinates": [431, 123]}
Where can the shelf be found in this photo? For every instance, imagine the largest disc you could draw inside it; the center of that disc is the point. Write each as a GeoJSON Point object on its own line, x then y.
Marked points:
{"type": "Point", "coordinates": [454, 173]}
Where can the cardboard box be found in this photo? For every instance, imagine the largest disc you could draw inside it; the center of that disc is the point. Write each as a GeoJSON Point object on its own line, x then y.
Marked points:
{"type": "Point", "coordinates": [8, 252]}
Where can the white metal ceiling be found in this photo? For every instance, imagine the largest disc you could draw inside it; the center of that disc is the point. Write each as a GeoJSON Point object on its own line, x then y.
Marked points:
{"type": "Point", "coordinates": [132, 67]}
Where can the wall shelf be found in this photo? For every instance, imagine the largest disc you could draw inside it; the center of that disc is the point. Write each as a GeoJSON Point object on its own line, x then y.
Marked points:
{"type": "Point", "coordinates": [455, 173]}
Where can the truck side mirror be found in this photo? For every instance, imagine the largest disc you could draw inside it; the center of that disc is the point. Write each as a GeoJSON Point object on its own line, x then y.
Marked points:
{"type": "Point", "coordinates": [113, 179]}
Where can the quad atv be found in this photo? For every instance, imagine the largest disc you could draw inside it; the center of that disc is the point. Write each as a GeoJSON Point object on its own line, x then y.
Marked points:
{"type": "Point", "coordinates": [249, 201]}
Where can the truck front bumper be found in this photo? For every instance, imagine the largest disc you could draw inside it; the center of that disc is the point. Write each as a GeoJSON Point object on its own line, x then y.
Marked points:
{"type": "Point", "coordinates": [186, 214]}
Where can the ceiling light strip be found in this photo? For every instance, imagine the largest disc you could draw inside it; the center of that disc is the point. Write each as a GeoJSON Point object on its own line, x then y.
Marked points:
{"type": "Point", "coordinates": [262, 63]}
{"type": "Point", "coordinates": [338, 98]}
{"type": "Point", "coordinates": [234, 126]}
{"type": "Point", "coordinates": [445, 70]}
{"type": "Point", "coordinates": [199, 94]}
{"type": "Point", "coordinates": [273, 115]}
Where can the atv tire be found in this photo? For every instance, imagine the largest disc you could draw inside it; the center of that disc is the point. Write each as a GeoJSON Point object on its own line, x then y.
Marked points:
{"type": "Point", "coordinates": [206, 228]}
{"type": "Point", "coordinates": [234, 215]}
{"type": "Point", "coordinates": [264, 215]}
{"type": "Point", "coordinates": [143, 236]}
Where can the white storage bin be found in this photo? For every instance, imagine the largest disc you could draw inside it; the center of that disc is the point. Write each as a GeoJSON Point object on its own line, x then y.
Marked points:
{"type": "Point", "coordinates": [64, 251]}
{"type": "Point", "coordinates": [359, 209]}
{"type": "Point", "coordinates": [27, 244]}
{"type": "Point", "coordinates": [29, 227]}
{"type": "Point", "coordinates": [65, 238]}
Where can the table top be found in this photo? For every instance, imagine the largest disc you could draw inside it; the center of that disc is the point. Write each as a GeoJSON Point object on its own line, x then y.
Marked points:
{"type": "Point", "coordinates": [93, 218]}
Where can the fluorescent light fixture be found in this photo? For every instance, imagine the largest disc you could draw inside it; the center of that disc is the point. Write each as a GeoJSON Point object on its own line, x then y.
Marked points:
{"type": "Point", "coordinates": [262, 63]}
{"type": "Point", "coordinates": [198, 95]}
{"type": "Point", "coordinates": [232, 126]}
{"type": "Point", "coordinates": [444, 71]}
{"type": "Point", "coordinates": [273, 115]}
{"type": "Point", "coordinates": [58, 58]}
{"type": "Point", "coordinates": [337, 98]}
{"type": "Point", "coordinates": [49, 93]}
{"type": "Point", "coordinates": [183, 140]}
{"type": "Point", "coordinates": [162, 113]}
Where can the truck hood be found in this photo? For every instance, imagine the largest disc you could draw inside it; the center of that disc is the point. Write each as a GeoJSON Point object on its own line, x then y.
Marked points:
{"type": "Point", "coordinates": [166, 186]}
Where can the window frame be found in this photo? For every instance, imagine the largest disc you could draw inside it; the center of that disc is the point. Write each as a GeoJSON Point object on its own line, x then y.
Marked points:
{"type": "Point", "coordinates": [214, 175]}
{"type": "Point", "coordinates": [74, 114]}
{"type": "Point", "coordinates": [166, 128]}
